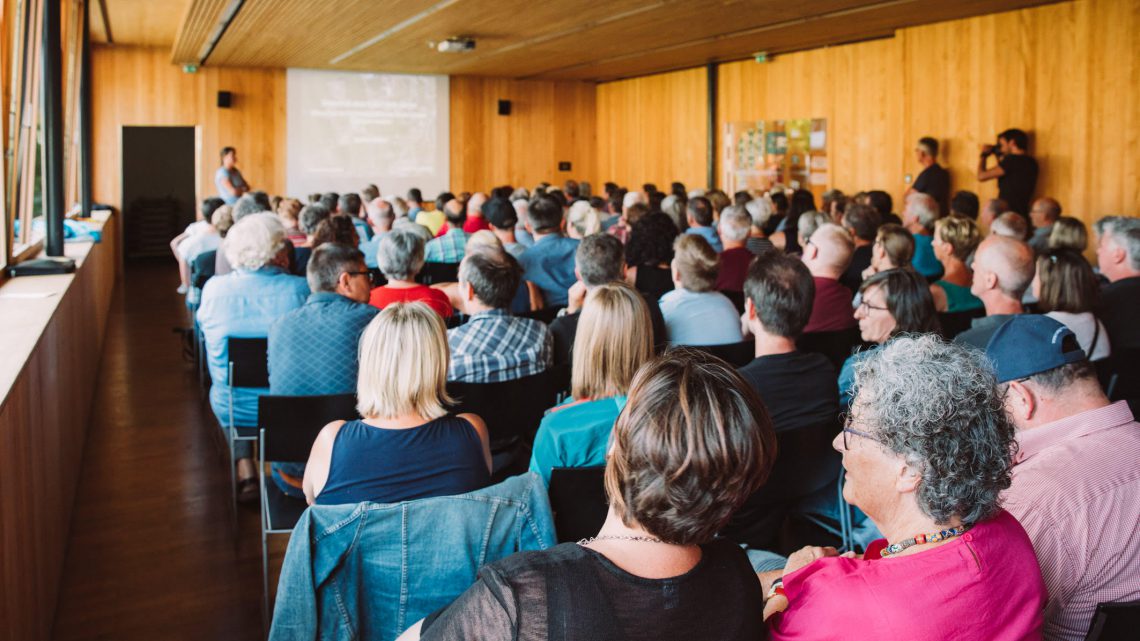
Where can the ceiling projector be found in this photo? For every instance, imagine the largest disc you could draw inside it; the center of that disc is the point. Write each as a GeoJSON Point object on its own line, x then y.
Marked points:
{"type": "Point", "coordinates": [455, 45]}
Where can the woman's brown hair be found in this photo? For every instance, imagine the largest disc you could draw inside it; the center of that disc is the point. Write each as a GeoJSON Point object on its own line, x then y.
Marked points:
{"type": "Point", "coordinates": [1068, 283]}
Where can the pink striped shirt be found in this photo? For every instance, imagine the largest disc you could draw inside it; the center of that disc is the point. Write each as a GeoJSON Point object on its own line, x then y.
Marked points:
{"type": "Point", "coordinates": [1076, 491]}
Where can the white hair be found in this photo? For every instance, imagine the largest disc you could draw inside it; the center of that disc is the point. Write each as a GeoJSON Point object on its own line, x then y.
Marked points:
{"type": "Point", "coordinates": [1125, 232]}
{"type": "Point", "coordinates": [584, 218]}
{"type": "Point", "coordinates": [735, 224]}
{"type": "Point", "coordinates": [761, 210]}
{"type": "Point", "coordinates": [254, 241]}
{"type": "Point", "coordinates": [924, 209]}
{"type": "Point", "coordinates": [632, 198]}
{"type": "Point", "coordinates": [696, 193]}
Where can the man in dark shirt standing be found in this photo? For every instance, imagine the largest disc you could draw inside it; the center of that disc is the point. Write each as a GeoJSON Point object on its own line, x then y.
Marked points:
{"type": "Point", "coordinates": [1016, 171]}
{"type": "Point", "coordinates": [934, 179]}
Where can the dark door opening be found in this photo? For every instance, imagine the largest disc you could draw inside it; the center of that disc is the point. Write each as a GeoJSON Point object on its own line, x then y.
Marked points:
{"type": "Point", "coordinates": [158, 187]}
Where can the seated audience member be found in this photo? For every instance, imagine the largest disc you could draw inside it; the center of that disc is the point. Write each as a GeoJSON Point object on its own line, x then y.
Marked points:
{"type": "Point", "coordinates": [798, 388]}
{"type": "Point", "coordinates": [415, 202]}
{"type": "Point", "coordinates": [502, 218]}
{"type": "Point", "coordinates": [522, 207]}
{"type": "Point", "coordinates": [351, 205]}
{"type": "Point", "coordinates": [244, 303]}
{"type": "Point", "coordinates": [700, 218]}
{"type": "Point", "coordinates": [450, 243]}
{"type": "Point", "coordinates": [927, 452]}
{"type": "Point", "coordinates": [674, 207]}
{"type": "Point", "coordinates": [786, 237]}
{"type": "Point", "coordinates": [734, 227]}
{"type": "Point", "coordinates": [808, 222]}
{"type": "Point", "coordinates": [313, 349]}
{"type": "Point", "coordinates": [1069, 233]}
{"type": "Point", "coordinates": [827, 255]}
{"type": "Point", "coordinates": [583, 220]}
{"type": "Point", "coordinates": [611, 344]}
{"type": "Point", "coordinates": [955, 240]}
{"type": "Point", "coordinates": [1118, 256]}
{"type": "Point", "coordinates": [761, 210]}
{"type": "Point", "coordinates": [696, 314]}
{"type": "Point", "coordinates": [719, 200]}
{"type": "Point", "coordinates": [649, 254]}
{"type": "Point", "coordinates": [1003, 270]}
{"type": "Point", "coordinates": [965, 204]}
{"type": "Point", "coordinates": [693, 445]}
{"type": "Point", "coordinates": [919, 217]}
{"type": "Point", "coordinates": [310, 217]}
{"type": "Point", "coordinates": [1011, 225]}
{"type": "Point", "coordinates": [619, 224]}
{"type": "Point", "coordinates": [400, 257]}
{"type": "Point", "coordinates": [1076, 481]}
{"type": "Point", "coordinates": [1067, 291]}
{"type": "Point", "coordinates": [475, 220]}
{"type": "Point", "coordinates": [600, 259]}
{"type": "Point", "coordinates": [200, 236]}
{"type": "Point", "coordinates": [381, 217]}
{"type": "Point", "coordinates": [434, 219]}
{"type": "Point", "coordinates": [993, 210]}
{"type": "Point", "coordinates": [493, 346]}
{"type": "Point", "coordinates": [892, 302]}
{"type": "Point", "coordinates": [549, 263]}
{"type": "Point", "coordinates": [893, 249]}
{"type": "Point", "coordinates": [335, 229]}
{"type": "Point", "coordinates": [862, 222]}
{"type": "Point", "coordinates": [884, 204]}
{"type": "Point", "coordinates": [1043, 215]}
{"type": "Point", "coordinates": [289, 212]}
{"type": "Point", "coordinates": [407, 446]}
{"type": "Point", "coordinates": [833, 203]}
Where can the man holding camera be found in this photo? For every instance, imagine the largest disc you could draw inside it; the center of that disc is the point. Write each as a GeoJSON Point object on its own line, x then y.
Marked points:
{"type": "Point", "coordinates": [1016, 170]}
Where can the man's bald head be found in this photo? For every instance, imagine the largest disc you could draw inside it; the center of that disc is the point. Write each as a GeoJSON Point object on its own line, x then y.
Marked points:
{"type": "Point", "coordinates": [1010, 262]}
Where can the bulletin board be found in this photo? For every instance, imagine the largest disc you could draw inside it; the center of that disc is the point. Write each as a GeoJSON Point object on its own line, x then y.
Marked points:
{"type": "Point", "coordinates": [758, 154]}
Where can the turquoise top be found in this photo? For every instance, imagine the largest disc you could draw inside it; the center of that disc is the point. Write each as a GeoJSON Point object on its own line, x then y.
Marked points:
{"type": "Point", "coordinates": [575, 434]}
{"type": "Point", "coordinates": [958, 298]}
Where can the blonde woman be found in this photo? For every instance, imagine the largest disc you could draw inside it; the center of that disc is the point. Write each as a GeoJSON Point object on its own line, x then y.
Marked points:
{"type": "Point", "coordinates": [955, 239]}
{"type": "Point", "coordinates": [583, 220]}
{"type": "Point", "coordinates": [407, 446]}
{"type": "Point", "coordinates": [613, 340]}
{"type": "Point", "coordinates": [1069, 233]}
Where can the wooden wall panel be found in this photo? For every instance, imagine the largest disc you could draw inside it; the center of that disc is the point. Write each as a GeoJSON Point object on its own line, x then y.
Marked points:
{"type": "Point", "coordinates": [139, 86]}
{"type": "Point", "coordinates": [654, 129]}
{"type": "Point", "coordinates": [550, 121]}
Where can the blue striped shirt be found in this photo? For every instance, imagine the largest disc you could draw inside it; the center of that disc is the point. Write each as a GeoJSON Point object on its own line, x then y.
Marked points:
{"type": "Point", "coordinates": [494, 346]}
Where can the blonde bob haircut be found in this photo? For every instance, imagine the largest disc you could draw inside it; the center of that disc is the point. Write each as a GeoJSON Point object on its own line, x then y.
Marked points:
{"type": "Point", "coordinates": [613, 340]}
{"type": "Point", "coordinates": [961, 233]}
{"type": "Point", "coordinates": [403, 364]}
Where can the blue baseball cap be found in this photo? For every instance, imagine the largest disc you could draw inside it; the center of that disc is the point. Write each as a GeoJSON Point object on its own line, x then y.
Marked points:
{"type": "Point", "coordinates": [1029, 344]}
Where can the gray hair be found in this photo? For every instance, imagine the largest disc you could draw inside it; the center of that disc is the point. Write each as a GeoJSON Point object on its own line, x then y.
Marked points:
{"type": "Point", "coordinates": [245, 206]}
{"type": "Point", "coordinates": [255, 241]}
{"type": "Point", "coordinates": [1011, 225]}
{"type": "Point", "coordinates": [761, 210]}
{"type": "Point", "coordinates": [810, 221]}
{"type": "Point", "coordinates": [673, 207]}
{"type": "Point", "coordinates": [1125, 232]}
{"type": "Point", "coordinates": [311, 216]}
{"type": "Point", "coordinates": [400, 255]}
{"type": "Point", "coordinates": [938, 406]}
{"type": "Point", "coordinates": [735, 224]}
{"type": "Point", "coordinates": [328, 262]}
{"type": "Point", "coordinates": [599, 259]}
{"type": "Point", "coordinates": [924, 209]}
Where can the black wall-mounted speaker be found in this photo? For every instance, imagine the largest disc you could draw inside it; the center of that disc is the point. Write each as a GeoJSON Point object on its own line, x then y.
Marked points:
{"type": "Point", "coordinates": [225, 99]}
{"type": "Point", "coordinates": [504, 107]}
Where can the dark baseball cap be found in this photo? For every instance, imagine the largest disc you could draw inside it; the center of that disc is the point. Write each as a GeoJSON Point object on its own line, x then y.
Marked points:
{"type": "Point", "coordinates": [500, 213]}
{"type": "Point", "coordinates": [1029, 344]}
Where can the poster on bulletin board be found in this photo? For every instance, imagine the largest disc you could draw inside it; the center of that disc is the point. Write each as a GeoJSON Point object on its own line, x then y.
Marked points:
{"type": "Point", "coordinates": [760, 154]}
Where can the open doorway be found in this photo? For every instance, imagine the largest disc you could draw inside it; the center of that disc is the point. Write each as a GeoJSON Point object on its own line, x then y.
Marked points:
{"type": "Point", "coordinates": [158, 187]}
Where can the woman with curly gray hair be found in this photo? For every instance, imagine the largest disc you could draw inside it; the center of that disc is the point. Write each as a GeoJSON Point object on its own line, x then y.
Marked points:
{"type": "Point", "coordinates": [927, 450]}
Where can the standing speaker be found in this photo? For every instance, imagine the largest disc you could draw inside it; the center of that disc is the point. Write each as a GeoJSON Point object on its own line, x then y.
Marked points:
{"type": "Point", "coordinates": [225, 99]}
{"type": "Point", "coordinates": [504, 107]}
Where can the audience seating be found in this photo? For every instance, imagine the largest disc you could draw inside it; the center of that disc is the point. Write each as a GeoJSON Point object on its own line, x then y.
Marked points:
{"type": "Point", "coordinates": [578, 499]}
{"type": "Point", "coordinates": [248, 367]}
{"type": "Point", "coordinates": [737, 299]}
{"type": "Point", "coordinates": [1115, 622]}
{"type": "Point", "coordinates": [546, 314]}
{"type": "Point", "coordinates": [289, 425]}
{"type": "Point", "coordinates": [954, 323]}
{"type": "Point", "coordinates": [202, 268]}
{"type": "Point", "coordinates": [735, 354]}
{"type": "Point", "coordinates": [433, 273]}
{"type": "Point", "coordinates": [835, 346]}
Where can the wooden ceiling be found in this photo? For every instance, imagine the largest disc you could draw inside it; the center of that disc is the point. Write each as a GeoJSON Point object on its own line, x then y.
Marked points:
{"type": "Point", "coordinates": [567, 39]}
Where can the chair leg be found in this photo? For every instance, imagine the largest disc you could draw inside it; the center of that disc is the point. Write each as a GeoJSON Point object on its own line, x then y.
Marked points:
{"type": "Point", "coordinates": [264, 534]}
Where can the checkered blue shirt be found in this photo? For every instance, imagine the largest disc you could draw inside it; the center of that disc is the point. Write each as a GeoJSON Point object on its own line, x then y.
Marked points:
{"type": "Point", "coordinates": [494, 346]}
{"type": "Point", "coordinates": [448, 248]}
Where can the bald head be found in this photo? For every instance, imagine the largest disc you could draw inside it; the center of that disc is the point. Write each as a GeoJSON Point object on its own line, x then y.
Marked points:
{"type": "Point", "coordinates": [1045, 212]}
{"type": "Point", "coordinates": [1003, 267]}
{"type": "Point", "coordinates": [1011, 225]}
{"type": "Point", "coordinates": [475, 204]}
{"type": "Point", "coordinates": [829, 251]}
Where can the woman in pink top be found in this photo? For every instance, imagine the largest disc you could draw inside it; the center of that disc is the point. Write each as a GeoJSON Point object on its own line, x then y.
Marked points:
{"type": "Point", "coordinates": [927, 450]}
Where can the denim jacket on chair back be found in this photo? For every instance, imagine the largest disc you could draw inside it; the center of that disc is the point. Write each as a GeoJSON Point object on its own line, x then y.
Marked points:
{"type": "Point", "coordinates": [369, 571]}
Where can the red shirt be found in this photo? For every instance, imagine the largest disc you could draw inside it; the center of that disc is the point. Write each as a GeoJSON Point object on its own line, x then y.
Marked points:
{"type": "Point", "coordinates": [475, 223]}
{"type": "Point", "coordinates": [831, 309]}
{"type": "Point", "coordinates": [383, 296]}
{"type": "Point", "coordinates": [733, 269]}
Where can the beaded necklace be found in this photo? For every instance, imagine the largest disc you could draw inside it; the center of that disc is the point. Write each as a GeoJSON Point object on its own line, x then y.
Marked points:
{"type": "Point", "coordinates": [935, 537]}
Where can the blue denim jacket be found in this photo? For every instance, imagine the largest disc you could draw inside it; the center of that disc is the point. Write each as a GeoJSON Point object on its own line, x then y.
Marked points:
{"type": "Point", "coordinates": [369, 571]}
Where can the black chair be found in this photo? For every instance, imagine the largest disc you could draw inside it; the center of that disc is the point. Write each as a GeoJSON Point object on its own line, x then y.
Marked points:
{"type": "Point", "coordinates": [289, 425]}
{"type": "Point", "coordinates": [737, 299]}
{"type": "Point", "coordinates": [433, 273]}
{"type": "Point", "coordinates": [1115, 622]}
{"type": "Point", "coordinates": [578, 499]}
{"type": "Point", "coordinates": [836, 346]}
{"type": "Point", "coordinates": [377, 276]}
{"type": "Point", "coordinates": [735, 354]}
{"type": "Point", "coordinates": [546, 314]}
{"type": "Point", "coordinates": [248, 367]}
{"type": "Point", "coordinates": [202, 268]}
{"type": "Point", "coordinates": [954, 323]}
{"type": "Point", "coordinates": [1121, 374]}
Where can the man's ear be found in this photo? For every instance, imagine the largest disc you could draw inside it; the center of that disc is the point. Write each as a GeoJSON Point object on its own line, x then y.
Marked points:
{"type": "Point", "coordinates": [1020, 401]}
{"type": "Point", "coordinates": [342, 281]}
{"type": "Point", "coordinates": [749, 309]}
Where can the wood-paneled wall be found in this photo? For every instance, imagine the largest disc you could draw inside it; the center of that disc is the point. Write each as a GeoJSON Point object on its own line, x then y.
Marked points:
{"type": "Point", "coordinates": [43, 423]}
{"type": "Point", "coordinates": [139, 86]}
{"type": "Point", "coordinates": [654, 129]}
{"type": "Point", "coordinates": [550, 122]}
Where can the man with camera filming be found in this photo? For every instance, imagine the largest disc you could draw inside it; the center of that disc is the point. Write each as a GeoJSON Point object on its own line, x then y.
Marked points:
{"type": "Point", "coordinates": [1016, 170]}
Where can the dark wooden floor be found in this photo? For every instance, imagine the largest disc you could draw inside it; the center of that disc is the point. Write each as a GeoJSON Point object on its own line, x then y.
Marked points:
{"type": "Point", "coordinates": [154, 552]}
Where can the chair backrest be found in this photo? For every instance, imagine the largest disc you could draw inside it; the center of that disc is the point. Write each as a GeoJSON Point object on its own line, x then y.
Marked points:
{"type": "Point", "coordinates": [1115, 622]}
{"type": "Point", "coordinates": [805, 463]}
{"type": "Point", "coordinates": [546, 314]}
{"type": "Point", "coordinates": [836, 346]}
{"type": "Point", "coordinates": [438, 273]}
{"type": "Point", "coordinates": [249, 362]}
{"type": "Point", "coordinates": [578, 499]}
{"type": "Point", "coordinates": [954, 323]}
{"type": "Point", "coordinates": [291, 423]}
{"type": "Point", "coordinates": [735, 354]}
{"type": "Point", "coordinates": [1124, 365]}
{"type": "Point", "coordinates": [202, 268]}
{"type": "Point", "coordinates": [737, 299]}
{"type": "Point", "coordinates": [511, 409]}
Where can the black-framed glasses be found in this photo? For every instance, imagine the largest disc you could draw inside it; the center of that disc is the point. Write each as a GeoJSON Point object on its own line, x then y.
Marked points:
{"type": "Point", "coordinates": [848, 430]}
{"type": "Point", "coordinates": [368, 273]}
{"type": "Point", "coordinates": [866, 307]}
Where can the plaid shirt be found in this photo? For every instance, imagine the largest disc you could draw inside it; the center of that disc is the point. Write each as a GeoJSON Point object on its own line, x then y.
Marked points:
{"type": "Point", "coordinates": [448, 248]}
{"type": "Point", "coordinates": [494, 346]}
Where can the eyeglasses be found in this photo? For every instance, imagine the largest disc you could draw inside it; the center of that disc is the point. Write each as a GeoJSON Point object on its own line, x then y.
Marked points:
{"type": "Point", "coordinates": [367, 273]}
{"type": "Point", "coordinates": [867, 307]}
{"type": "Point", "coordinates": [847, 429]}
